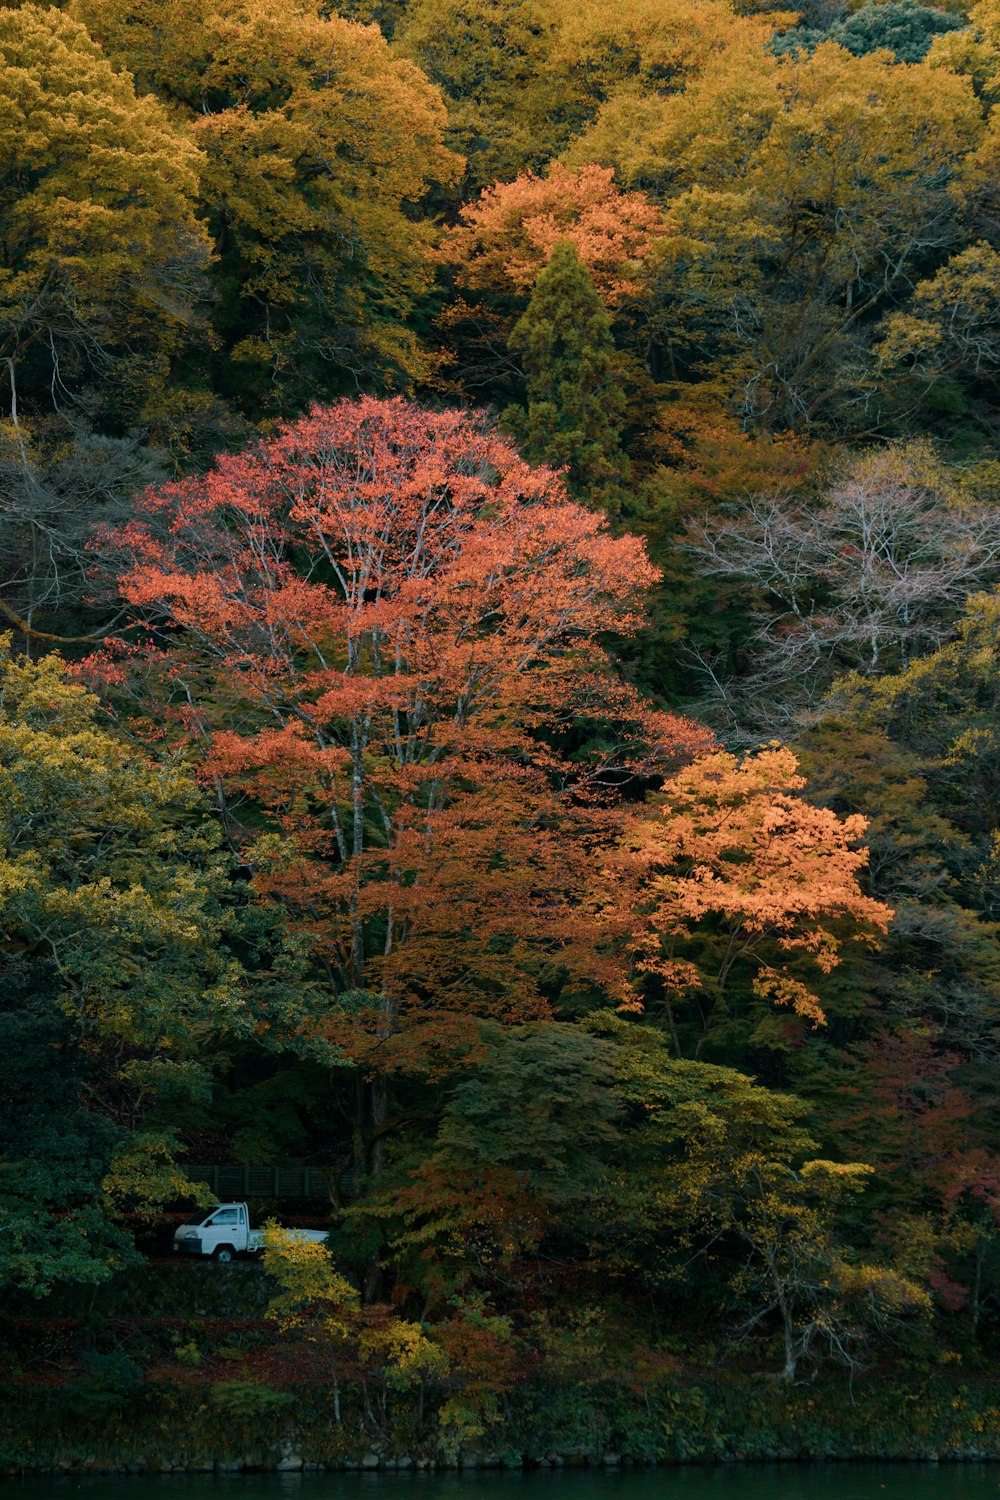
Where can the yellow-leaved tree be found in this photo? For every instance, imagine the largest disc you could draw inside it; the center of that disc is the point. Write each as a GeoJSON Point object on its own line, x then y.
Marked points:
{"type": "Point", "coordinates": [509, 102]}
{"type": "Point", "coordinates": [806, 192]}
{"type": "Point", "coordinates": [102, 253]}
{"type": "Point", "coordinates": [734, 882]}
{"type": "Point", "coordinates": [974, 50]}
{"type": "Point", "coordinates": [522, 77]}
{"type": "Point", "coordinates": [949, 333]}
{"type": "Point", "coordinates": [116, 976]}
{"type": "Point", "coordinates": [315, 146]}
{"type": "Point", "coordinates": [316, 1304]}
{"type": "Point", "coordinates": [718, 1169]}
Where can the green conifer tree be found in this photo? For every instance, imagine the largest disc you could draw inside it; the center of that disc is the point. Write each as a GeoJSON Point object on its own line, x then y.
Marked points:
{"type": "Point", "coordinates": [575, 401]}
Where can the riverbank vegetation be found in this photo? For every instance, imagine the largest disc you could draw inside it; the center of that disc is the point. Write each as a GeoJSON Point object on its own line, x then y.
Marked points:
{"type": "Point", "coordinates": [500, 551]}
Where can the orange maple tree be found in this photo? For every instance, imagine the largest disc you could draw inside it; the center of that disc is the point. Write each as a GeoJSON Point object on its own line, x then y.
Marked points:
{"type": "Point", "coordinates": [391, 624]}
{"type": "Point", "coordinates": [506, 237]}
{"type": "Point", "coordinates": [733, 867]}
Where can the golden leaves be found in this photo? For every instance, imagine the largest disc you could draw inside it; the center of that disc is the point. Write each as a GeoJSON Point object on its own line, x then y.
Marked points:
{"type": "Point", "coordinates": [730, 846]}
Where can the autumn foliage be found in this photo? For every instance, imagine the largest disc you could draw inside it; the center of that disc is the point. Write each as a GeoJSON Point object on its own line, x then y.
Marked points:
{"type": "Point", "coordinates": [515, 489]}
{"type": "Point", "coordinates": [734, 869]}
{"type": "Point", "coordinates": [502, 240]}
{"type": "Point", "coordinates": [394, 625]}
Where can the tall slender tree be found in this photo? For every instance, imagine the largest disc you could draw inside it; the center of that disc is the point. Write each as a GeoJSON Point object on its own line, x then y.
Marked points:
{"type": "Point", "coordinates": [575, 408]}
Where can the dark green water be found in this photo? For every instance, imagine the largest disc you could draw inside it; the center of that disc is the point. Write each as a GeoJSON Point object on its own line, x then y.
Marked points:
{"type": "Point", "coordinates": [763, 1482]}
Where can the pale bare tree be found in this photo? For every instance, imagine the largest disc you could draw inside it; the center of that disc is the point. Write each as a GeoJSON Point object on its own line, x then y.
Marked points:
{"type": "Point", "coordinates": [57, 482]}
{"type": "Point", "coordinates": [872, 574]}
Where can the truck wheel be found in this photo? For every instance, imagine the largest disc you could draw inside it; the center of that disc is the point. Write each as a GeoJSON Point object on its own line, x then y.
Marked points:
{"type": "Point", "coordinates": [224, 1254]}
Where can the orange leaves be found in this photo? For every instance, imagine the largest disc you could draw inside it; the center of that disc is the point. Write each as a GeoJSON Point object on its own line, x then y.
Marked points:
{"type": "Point", "coordinates": [508, 235]}
{"type": "Point", "coordinates": [389, 502]}
{"type": "Point", "coordinates": [280, 749]}
{"type": "Point", "coordinates": [730, 846]}
{"type": "Point", "coordinates": [392, 623]}
{"type": "Point", "coordinates": [782, 989]}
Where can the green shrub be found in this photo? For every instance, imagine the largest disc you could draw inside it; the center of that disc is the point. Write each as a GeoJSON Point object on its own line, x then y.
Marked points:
{"type": "Point", "coordinates": [246, 1401]}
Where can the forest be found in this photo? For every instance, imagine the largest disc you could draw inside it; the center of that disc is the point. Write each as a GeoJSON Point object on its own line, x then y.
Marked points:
{"type": "Point", "coordinates": [500, 693]}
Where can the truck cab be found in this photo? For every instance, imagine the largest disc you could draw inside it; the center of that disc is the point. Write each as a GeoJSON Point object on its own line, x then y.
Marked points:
{"type": "Point", "coordinates": [223, 1234]}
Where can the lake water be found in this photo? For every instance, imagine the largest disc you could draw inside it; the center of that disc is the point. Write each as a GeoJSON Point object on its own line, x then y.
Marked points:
{"type": "Point", "coordinates": [754, 1482]}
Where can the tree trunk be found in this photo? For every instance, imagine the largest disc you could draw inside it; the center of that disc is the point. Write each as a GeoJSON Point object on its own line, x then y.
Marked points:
{"type": "Point", "coordinates": [977, 1289]}
{"type": "Point", "coordinates": [787, 1324]}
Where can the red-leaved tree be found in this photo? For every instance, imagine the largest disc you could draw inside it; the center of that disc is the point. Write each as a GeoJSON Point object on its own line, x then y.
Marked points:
{"type": "Point", "coordinates": [382, 627]}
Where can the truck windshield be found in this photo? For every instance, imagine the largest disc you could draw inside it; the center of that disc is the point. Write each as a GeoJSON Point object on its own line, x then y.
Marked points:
{"type": "Point", "coordinates": [196, 1219]}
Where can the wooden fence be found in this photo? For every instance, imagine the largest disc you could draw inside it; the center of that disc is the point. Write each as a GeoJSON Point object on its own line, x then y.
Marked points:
{"type": "Point", "coordinates": [234, 1184]}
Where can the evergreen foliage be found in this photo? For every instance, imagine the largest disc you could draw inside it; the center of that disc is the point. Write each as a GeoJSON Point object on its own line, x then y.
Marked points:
{"type": "Point", "coordinates": [902, 27]}
{"type": "Point", "coordinates": [575, 402]}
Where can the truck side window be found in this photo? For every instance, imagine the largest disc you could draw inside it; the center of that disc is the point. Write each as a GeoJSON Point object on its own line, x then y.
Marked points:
{"type": "Point", "coordinates": [225, 1216]}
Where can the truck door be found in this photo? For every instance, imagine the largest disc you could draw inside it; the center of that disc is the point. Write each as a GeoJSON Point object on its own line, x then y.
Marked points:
{"type": "Point", "coordinates": [223, 1238]}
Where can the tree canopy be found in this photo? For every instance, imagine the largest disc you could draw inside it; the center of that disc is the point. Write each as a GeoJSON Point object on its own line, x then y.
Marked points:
{"type": "Point", "coordinates": [514, 493]}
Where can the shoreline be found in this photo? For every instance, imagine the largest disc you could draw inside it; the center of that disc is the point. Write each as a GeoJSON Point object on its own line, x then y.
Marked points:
{"type": "Point", "coordinates": [565, 1427]}
{"type": "Point", "coordinates": [417, 1472]}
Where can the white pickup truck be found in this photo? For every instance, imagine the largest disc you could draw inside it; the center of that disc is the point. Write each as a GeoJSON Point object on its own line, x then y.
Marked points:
{"type": "Point", "coordinates": [224, 1233]}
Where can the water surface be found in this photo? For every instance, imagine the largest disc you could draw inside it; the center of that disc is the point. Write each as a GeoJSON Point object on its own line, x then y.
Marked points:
{"type": "Point", "coordinates": [844, 1481]}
